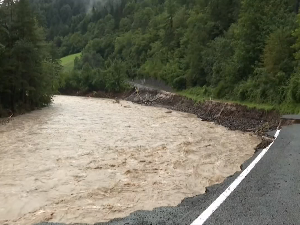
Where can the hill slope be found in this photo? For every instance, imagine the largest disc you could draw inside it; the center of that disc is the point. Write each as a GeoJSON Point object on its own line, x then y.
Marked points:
{"type": "Point", "coordinates": [68, 61]}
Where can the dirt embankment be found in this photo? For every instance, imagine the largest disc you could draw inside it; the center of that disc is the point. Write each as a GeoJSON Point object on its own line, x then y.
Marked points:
{"type": "Point", "coordinates": [232, 116]}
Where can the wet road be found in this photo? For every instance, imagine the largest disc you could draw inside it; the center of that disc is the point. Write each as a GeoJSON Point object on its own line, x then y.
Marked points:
{"type": "Point", "coordinates": [271, 192]}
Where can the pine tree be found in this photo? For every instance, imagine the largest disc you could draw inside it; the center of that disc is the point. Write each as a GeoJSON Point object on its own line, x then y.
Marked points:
{"type": "Point", "coordinates": [25, 61]}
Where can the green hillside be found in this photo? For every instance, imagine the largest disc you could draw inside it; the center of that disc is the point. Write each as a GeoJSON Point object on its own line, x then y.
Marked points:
{"type": "Point", "coordinates": [235, 50]}
{"type": "Point", "coordinates": [68, 61]}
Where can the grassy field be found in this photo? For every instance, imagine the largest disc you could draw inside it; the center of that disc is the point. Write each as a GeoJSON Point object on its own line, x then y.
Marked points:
{"type": "Point", "coordinates": [68, 61]}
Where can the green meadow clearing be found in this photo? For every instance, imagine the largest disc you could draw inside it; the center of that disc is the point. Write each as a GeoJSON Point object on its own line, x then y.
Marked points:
{"type": "Point", "coordinates": [68, 61]}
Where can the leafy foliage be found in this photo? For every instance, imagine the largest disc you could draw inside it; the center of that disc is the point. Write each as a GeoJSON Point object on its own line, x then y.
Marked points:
{"type": "Point", "coordinates": [245, 50]}
{"type": "Point", "coordinates": [29, 67]}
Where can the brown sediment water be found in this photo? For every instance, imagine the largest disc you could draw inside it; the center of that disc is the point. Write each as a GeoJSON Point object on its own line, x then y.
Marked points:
{"type": "Point", "coordinates": [91, 160]}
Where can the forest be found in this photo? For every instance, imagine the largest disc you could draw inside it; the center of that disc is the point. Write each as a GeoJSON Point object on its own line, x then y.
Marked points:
{"type": "Point", "coordinates": [29, 65]}
{"type": "Point", "coordinates": [241, 50]}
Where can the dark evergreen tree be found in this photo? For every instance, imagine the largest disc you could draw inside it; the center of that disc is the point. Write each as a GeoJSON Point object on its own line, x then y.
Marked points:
{"type": "Point", "coordinates": [24, 78]}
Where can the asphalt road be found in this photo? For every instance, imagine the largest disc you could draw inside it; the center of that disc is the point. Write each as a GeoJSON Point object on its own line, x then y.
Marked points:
{"type": "Point", "coordinates": [270, 194]}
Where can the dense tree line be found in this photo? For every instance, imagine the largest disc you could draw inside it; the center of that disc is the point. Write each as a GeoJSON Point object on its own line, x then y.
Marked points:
{"type": "Point", "coordinates": [29, 67]}
{"type": "Point", "coordinates": [245, 50]}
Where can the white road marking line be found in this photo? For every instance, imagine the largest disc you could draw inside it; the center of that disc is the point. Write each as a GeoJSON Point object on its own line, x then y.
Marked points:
{"type": "Point", "coordinates": [215, 205]}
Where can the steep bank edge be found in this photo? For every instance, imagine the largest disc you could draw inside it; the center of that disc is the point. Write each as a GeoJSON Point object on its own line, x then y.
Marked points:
{"type": "Point", "coordinates": [230, 115]}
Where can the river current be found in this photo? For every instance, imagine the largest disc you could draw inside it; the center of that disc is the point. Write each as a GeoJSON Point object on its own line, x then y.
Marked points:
{"type": "Point", "coordinates": [91, 160]}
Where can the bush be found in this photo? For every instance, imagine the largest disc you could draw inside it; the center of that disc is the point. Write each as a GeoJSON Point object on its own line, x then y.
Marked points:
{"type": "Point", "coordinates": [179, 83]}
{"type": "Point", "coordinates": [115, 76]}
{"type": "Point", "coordinates": [294, 89]}
{"type": "Point", "coordinates": [112, 79]}
{"type": "Point", "coordinates": [222, 90]}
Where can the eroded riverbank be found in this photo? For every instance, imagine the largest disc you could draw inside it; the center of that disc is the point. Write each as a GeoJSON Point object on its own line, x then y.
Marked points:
{"type": "Point", "coordinates": [91, 160]}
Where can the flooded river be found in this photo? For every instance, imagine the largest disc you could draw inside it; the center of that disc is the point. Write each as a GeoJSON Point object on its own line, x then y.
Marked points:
{"type": "Point", "coordinates": [91, 160]}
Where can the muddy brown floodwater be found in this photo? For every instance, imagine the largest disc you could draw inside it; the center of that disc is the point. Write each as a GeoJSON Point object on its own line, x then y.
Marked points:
{"type": "Point", "coordinates": [91, 160]}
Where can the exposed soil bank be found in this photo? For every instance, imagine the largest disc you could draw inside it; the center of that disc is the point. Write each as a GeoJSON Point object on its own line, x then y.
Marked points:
{"type": "Point", "coordinates": [232, 116]}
